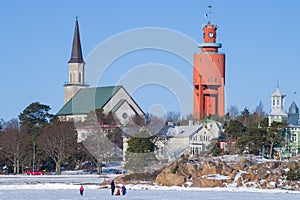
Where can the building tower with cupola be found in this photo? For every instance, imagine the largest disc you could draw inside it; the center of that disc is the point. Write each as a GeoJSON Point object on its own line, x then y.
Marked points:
{"type": "Point", "coordinates": [76, 68]}
{"type": "Point", "coordinates": [209, 75]}
{"type": "Point", "coordinates": [277, 112]}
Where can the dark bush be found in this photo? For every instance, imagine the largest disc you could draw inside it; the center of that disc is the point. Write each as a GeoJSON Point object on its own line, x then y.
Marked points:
{"type": "Point", "coordinates": [293, 175]}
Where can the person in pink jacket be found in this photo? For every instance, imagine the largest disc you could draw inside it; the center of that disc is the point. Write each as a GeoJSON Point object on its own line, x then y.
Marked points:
{"type": "Point", "coordinates": [81, 189]}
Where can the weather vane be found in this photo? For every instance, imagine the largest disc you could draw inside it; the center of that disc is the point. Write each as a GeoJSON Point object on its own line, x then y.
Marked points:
{"type": "Point", "coordinates": [209, 14]}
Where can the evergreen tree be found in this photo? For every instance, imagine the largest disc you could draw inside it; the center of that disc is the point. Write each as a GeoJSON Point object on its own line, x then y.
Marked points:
{"type": "Point", "coordinates": [275, 135]}
{"type": "Point", "coordinates": [33, 118]}
{"type": "Point", "coordinates": [234, 131]}
{"type": "Point", "coordinates": [140, 154]}
{"type": "Point", "coordinates": [252, 140]}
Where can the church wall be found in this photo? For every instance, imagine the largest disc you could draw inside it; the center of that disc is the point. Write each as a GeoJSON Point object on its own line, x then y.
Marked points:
{"type": "Point", "coordinates": [124, 113]}
{"type": "Point", "coordinates": [76, 73]}
{"type": "Point", "coordinates": [71, 90]}
{"type": "Point", "coordinates": [121, 94]}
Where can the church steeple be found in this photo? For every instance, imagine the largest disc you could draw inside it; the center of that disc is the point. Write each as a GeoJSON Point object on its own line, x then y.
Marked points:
{"type": "Point", "coordinates": [76, 55]}
{"type": "Point", "coordinates": [76, 68]}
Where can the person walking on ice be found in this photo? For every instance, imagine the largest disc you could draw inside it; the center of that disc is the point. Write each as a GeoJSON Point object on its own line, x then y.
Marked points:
{"type": "Point", "coordinates": [112, 187]}
{"type": "Point", "coordinates": [81, 189]}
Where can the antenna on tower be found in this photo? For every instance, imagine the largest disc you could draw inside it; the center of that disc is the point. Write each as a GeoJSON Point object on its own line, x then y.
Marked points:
{"type": "Point", "coordinates": [209, 13]}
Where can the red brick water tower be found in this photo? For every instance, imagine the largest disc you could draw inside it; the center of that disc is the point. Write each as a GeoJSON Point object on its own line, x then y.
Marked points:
{"type": "Point", "coordinates": [209, 76]}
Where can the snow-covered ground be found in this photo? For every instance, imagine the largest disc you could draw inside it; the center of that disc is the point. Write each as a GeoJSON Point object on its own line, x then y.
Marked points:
{"type": "Point", "coordinates": [67, 187]}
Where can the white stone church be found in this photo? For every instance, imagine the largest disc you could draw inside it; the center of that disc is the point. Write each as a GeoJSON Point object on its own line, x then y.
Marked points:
{"type": "Point", "coordinates": [80, 99]}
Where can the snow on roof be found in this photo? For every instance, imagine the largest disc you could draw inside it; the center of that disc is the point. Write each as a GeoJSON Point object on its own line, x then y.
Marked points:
{"type": "Point", "coordinates": [277, 93]}
{"type": "Point", "coordinates": [278, 112]}
{"type": "Point", "coordinates": [183, 131]}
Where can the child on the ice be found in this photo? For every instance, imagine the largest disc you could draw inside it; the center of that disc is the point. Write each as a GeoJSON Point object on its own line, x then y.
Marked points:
{"type": "Point", "coordinates": [123, 190]}
{"type": "Point", "coordinates": [118, 192]}
{"type": "Point", "coordinates": [81, 190]}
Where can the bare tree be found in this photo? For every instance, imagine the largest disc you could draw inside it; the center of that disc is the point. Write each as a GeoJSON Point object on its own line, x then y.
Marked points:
{"type": "Point", "coordinates": [186, 119]}
{"type": "Point", "coordinates": [102, 138]}
{"type": "Point", "coordinates": [1, 125]}
{"type": "Point", "coordinates": [151, 123]}
{"type": "Point", "coordinates": [14, 144]}
{"type": "Point", "coordinates": [233, 112]}
{"type": "Point", "coordinates": [58, 141]}
{"type": "Point", "coordinates": [155, 125]}
{"type": "Point", "coordinates": [173, 116]}
{"type": "Point", "coordinates": [259, 113]}
{"type": "Point", "coordinates": [98, 144]}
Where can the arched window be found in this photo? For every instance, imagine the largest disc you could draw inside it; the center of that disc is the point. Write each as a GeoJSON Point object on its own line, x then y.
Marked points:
{"type": "Point", "coordinates": [79, 77]}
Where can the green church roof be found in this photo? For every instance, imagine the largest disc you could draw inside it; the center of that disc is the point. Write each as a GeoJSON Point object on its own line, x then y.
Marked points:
{"type": "Point", "coordinates": [88, 99]}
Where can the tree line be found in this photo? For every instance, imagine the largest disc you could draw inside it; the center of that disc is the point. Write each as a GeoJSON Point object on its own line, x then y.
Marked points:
{"type": "Point", "coordinates": [250, 133]}
{"type": "Point", "coordinates": [38, 140]}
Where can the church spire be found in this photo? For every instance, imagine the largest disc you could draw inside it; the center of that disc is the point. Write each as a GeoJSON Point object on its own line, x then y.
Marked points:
{"type": "Point", "coordinates": [76, 56]}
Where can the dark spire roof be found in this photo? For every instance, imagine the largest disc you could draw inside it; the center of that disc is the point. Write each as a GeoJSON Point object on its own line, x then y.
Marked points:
{"type": "Point", "coordinates": [76, 56]}
{"type": "Point", "coordinates": [293, 108]}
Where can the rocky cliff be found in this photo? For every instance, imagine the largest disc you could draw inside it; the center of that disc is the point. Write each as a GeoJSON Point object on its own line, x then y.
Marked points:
{"type": "Point", "coordinates": [227, 171]}
{"type": "Point", "coordinates": [231, 171]}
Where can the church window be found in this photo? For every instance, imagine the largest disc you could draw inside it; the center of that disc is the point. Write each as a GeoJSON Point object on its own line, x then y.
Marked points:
{"type": "Point", "coordinates": [273, 102]}
{"type": "Point", "coordinates": [294, 137]}
{"type": "Point", "coordinates": [79, 77]}
{"type": "Point", "coordinates": [277, 101]}
{"type": "Point", "coordinates": [124, 115]}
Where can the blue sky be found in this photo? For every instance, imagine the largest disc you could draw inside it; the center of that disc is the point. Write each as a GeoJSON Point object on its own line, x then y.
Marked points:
{"type": "Point", "coordinates": [260, 39]}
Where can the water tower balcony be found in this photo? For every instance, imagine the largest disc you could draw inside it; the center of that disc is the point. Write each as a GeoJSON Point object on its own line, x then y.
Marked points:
{"type": "Point", "coordinates": [210, 45]}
